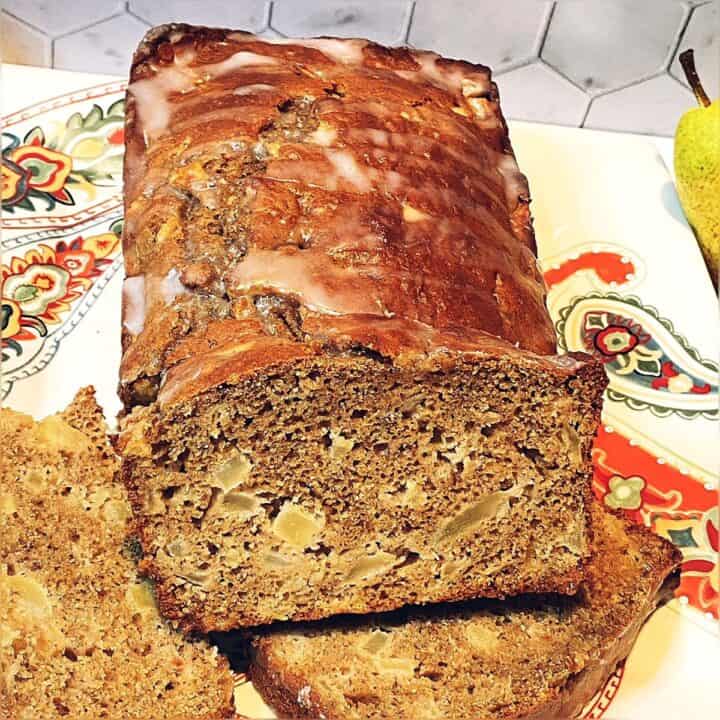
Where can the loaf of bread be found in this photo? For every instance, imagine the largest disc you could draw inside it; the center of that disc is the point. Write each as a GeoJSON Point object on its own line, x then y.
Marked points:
{"type": "Point", "coordinates": [338, 373]}
{"type": "Point", "coordinates": [530, 658]}
{"type": "Point", "coordinates": [80, 634]}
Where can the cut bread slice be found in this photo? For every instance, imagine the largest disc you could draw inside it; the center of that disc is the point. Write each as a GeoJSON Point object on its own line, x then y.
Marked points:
{"type": "Point", "coordinates": [80, 634]}
{"type": "Point", "coordinates": [339, 375]}
{"type": "Point", "coordinates": [534, 658]}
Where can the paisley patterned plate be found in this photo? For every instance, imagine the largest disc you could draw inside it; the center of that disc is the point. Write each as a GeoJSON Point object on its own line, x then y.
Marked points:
{"type": "Point", "coordinates": [627, 284]}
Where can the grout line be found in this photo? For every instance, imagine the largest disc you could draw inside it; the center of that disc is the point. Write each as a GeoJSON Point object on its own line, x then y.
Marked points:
{"type": "Point", "coordinates": [678, 38]}
{"type": "Point", "coordinates": [563, 75]}
{"type": "Point", "coordinates": [516, 65]}
{"type": "Point", "coordinates": [24, 22]}
{"type": "Point", "coordinates": [121, 13]}
{"type": "Point", "coordinates": [266, 18]}
{"type": "Point", "coordinates": [546, 29]}
{"type": "Point", "coordinates": [409, 17]}
{"type": "Point", "coordinates": [133, 14]}
{"type": "Point", "coordinates": [679, 82]}
{"type": "Point", "coordinates": [577, 85]}
{"type": "Point", "coordinates": [270, 9]}
{"type": "Point", "coordinates": [591, 100]}
{"type": "Point", "coordinates": [632, 83]}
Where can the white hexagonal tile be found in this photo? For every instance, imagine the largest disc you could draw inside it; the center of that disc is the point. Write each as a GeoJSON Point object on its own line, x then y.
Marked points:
{"type": "Point", "coordinates": [103, 48]}
{"type": "Point", "coordinates": [244, 15]}
{"type": "Point", "coordinates": [507, 36]}
{"type": "Point", "coordinates": [56, 18]}
{"type": "Point", "coordinates": [535, 92]}
{"type": "Point", "coordinates": [381, 20]}
{"type": "Point", "coordinates": [703, 35]}
{"type": "Point", "coordinates": [602, 45]}
{"type": "Point", "coordinates": [21, 44]}
{"type": "Point", "coordinates": [653, 106]}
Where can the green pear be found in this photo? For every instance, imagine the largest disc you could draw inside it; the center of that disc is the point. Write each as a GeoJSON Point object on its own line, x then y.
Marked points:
{"type": "Point", "coordinates": [697, 167]}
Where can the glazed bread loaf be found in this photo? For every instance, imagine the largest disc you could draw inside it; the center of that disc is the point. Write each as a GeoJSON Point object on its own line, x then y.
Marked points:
{"type": "Point", "coordinates": [530, 658]}
{"type": "Point", "coordinates": [80, 634]}
{"type": "Point", "coordinates": [338, 371]}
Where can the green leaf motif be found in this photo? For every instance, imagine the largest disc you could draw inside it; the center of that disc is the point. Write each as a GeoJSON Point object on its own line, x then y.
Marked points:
{"type": "Point", "coordinates": [25, 292]}
{"type": "Point", "coordinates": [75, 121]}
{"type": "Point", "coordinates": [117, 109]}
{"type": "Point", "coordinates": [117, 227]}
{"type": "Point", "coordinates": [25, 204]}
{"type": "Point", "coordinates": [682, 538]}
{"type": "Point", "coordinates": [594, 321]}
{"type": "Point", "coordinates": [93, 118]}
{"type": "Point", "coordinates": [649, 367]}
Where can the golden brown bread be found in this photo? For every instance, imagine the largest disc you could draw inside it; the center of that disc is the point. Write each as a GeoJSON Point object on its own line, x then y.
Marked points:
{"type": "Point", "coordinates": [80, 635]}
{"type": "Point", "coordinates": [337, 371]}
{"type": "Point", "coordinates": [530, 658]}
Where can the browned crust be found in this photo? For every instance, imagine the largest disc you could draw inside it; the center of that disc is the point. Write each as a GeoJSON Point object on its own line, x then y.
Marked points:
{"type": "Point", "coordinates": [140, 351]}
{"type": "Point", "coordinates": [280, 688]}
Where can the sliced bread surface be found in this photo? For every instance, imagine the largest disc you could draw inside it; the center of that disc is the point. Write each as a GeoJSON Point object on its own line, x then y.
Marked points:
{"type": "Point", "coordinates": [80, 635]}
{"type": "Point", "coordinates": [535, 658]}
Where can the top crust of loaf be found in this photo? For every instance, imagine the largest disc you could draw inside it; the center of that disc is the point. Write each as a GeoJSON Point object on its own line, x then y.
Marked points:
{"type": "Point", "coordinates": [80, 634]}
{"type": "Point", "coordinates": [313, 195]}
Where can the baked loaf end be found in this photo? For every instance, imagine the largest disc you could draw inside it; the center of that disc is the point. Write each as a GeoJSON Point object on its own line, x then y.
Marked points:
{"type": "Point", "coordinates": [538, 658]}
{"type": "Point", "coordinates": [333, 336]}
{"type": "Point", "coordinates": [80, 634]}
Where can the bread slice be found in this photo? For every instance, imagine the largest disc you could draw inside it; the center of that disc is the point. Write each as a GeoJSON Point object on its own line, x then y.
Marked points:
{"type": "Point", "coordinates": [536, 658]}
{"type": "Point", "coordinates": [80, 634]}
{"type": "Point", "coordinates": [338, 369]}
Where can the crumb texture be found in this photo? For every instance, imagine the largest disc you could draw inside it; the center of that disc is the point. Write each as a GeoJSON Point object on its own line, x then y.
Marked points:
{"type": "Point", "coordinates": [80, 633]}
{"type": "Point", "coordinates": [398, 488]}
{"type": "Point", "coordinates": [539, 657]}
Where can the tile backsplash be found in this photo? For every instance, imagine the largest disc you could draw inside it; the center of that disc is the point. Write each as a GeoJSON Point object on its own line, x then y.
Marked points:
{"type": "Point", "coordinates": [608, 64]}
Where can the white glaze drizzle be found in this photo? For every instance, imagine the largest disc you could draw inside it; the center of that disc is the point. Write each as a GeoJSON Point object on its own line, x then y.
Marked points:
{"type": "Point", "coordinates": [140, 292]}
{"type": "Point", "coordinates": [324, 135]}
{"type": "Point", "coordinates": [345, 52]}
{"type": "Point", "coordinates": [152, 95]}
{"type": "Point", "coordinates": [133, 302]}
{"type": "Point", "coordinates": [252, 89]}
{"type": "Point", "coordinates": [303, 275]}
{"type": "Point", "coordinates": [450, 80]}
{"type": "Point", "coordinates": [347, 168]}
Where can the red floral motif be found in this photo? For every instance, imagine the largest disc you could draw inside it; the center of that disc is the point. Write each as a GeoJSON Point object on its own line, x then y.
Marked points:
{"type": "Point", "coordinates": [610, 267]}
{"type": "Point", "coordinates": [84, 154]}
{"type": "Point", "coordinates": [676, 505]}
{"type": "Point", "coordinates": [619, 336]}
{"type": "Point", "coordinates": [39, 288]}
{"type": "Point", "coordinates": [675, 381]}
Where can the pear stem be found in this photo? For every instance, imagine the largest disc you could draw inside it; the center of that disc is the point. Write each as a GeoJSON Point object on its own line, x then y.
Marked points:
{"type": "Point", "coordinates": [687, 60]}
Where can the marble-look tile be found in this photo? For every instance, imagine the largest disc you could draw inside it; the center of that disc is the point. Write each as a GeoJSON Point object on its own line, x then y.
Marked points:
{"type": "Point", "coordinates": [500, 35]}
{"type": "Point", "coordinates": [535, 92]}
{"type": "Point", "coordinates": [22, 44]}
{"type": "Point", "coordinates": [381, 20]}
{"type": "Point", "coordinates": [601, 45]}
{"type": "Point", "coordinates": [106, 47]}
{"type": "Point", "coordinates": [243, 14]}
{"type": "Point", "coordinates": [653, 106]}
{"type": "Point", "coordinates": [56, 18]}
{"type": "Point", "coordinates": [703, 35]}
